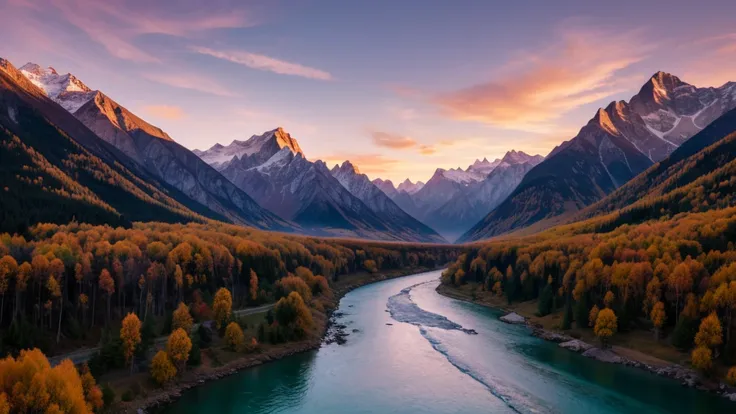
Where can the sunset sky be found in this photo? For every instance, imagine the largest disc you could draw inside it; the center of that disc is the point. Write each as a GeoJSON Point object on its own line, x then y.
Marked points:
{"type": "Point", "coordinates": [398, 87]}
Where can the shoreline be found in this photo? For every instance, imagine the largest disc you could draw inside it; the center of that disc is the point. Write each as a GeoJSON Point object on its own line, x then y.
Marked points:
{"type": "Point", "coordinates": [167, 395]}
{"type": "Point", "coordinates": [686, 376]}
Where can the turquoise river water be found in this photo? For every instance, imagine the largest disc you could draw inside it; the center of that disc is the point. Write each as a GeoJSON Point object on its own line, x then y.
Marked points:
{"type": "Point", "coordinates": [415, 351]}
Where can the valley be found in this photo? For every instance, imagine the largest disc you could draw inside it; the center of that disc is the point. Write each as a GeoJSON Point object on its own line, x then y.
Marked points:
{"type": "Point", "coordinates": [368, 207]}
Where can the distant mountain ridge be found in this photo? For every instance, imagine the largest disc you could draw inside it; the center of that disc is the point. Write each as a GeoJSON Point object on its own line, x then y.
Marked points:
{"type": "Point", "coordinates": [617, 144]}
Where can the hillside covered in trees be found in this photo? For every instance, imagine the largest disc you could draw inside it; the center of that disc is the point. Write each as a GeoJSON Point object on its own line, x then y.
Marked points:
{"type": "Point", "coordinates": [65, 279]}
{"type": "Point", "coordinates": [658, 254]}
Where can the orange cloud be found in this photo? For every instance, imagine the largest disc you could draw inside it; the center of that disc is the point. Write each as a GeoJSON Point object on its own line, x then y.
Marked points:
{"type": "Point", "coordinates": [578, 69]}
{"type": "Point", "coordinates": [389, 140]}
{"type": "Point", "coordinates": [164, 111]}
{"type": "Point", "coordinates": [191, 82]}
{"type": "Point", "coordinates": [265, 63]}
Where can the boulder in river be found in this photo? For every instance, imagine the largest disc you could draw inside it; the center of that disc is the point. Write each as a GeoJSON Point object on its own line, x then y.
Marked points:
{"type": "Point", "coordinates": [513, 318]}
{"type": "Point", "coordinates": [576, 345]}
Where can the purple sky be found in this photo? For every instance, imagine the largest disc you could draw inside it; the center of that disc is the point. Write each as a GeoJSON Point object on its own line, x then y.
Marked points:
{"type": "Point", "coordinates": [398, 87]}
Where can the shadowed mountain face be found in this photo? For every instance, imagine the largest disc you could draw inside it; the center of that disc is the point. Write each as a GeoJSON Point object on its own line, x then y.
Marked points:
{"type": "Point", "coordinates": [707, 157]}
{"type": "Point", "coordinates": [395, 218]}
{"type": "Point", "coordinates": [153, 149]}
{"type": "Point", "coordinates": [456, 216]}
{"type": "Point", "coordinates": [49, 158]}
{"type": "Point", "coordinates": [453, 200]}
{"type": "Point", "coordinates": [272, 168]}
{"type": "Point", "coordinates": [620, 142]}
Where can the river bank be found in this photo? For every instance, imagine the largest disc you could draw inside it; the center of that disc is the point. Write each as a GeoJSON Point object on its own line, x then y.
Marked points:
{"type": "Point", "coordinates": [613, 355]}
{"type": "Point", "coordinates": [194, 377]}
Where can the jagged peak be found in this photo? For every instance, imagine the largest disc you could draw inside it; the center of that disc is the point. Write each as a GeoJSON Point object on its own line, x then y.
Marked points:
{"type": "Point", "coordinates": [346, 167]}
{"type": "Point", "coordinates": [349, 165]}
{"type": "Point", "coordinates": [603, 120]}
{"type": "Point", "coordinates": [384, 182]}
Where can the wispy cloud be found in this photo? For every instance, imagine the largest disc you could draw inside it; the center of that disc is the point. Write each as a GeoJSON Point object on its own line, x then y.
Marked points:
{"type": "Point", "coordinates": [164, 111]}
{"type": "Point", "coordinates": [191, 82]}
{"type": "Point", "coordinates": [116, 25]}
{"type": "Point", "coordinates": [581, 67]}
{"type": "Point", "coordinates": [265, 63]}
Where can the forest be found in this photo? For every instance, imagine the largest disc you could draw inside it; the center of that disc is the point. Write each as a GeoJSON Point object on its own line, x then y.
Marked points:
{"type": "Point", "coordinates": [67, 279]}
{"type": "Point", "coordinates": [673, 274]}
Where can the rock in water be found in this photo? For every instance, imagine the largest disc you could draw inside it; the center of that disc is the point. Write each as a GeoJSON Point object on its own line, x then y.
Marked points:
{"type": "Point", "coordinates": [513, 318]}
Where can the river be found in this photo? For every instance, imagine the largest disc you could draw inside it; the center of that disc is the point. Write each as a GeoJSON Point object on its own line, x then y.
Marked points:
{"type": "Point", "coordinates": [414, 351]}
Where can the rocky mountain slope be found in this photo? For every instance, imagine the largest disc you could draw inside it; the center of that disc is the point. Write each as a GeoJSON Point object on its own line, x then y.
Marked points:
{"type": "Point", "coordinates": [50, 159]}
{"type": "Point", "coordinates": [394, 217]}
{"type": "Point", "coordinates": [153, 149]}
{"type": "Point", "coordinates": [620, 142]}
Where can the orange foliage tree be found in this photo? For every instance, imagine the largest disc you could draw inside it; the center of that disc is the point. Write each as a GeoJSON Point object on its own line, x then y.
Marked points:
{"type": "Point", "coordinates": [162, 370]}
{"type": "Point", "coordinates": [234, 336]}
{"type": "Point", "coordinates": [29, 384]}
{"type": "Point", "coordinates": [222, 306]}
{"type": "Point", "coordinates": [130, 335]}
{"type": "Point", "coordinates": [178, 347]}
{"type": "Point", "coordinates": [182, 318]}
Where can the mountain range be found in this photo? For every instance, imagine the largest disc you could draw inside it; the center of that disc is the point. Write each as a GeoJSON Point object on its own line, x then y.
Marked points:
{"type": "Point", "coordinates": [454, 200]}
{"type": "Point", "coordinates": [151, 148]}
{"type": "Point", "coordinates": [75, 147]}
{"type": "Point", "coordinates": [618, 143]}
{"type": "Point", "coordinates": [273, 169]}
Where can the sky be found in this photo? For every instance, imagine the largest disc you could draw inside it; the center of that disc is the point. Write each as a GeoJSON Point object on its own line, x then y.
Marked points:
{"type": "Point", "coordinates": [399, 88]}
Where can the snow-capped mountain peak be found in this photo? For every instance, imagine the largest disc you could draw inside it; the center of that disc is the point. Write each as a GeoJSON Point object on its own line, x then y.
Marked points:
{"type": "Point", "coordinates": [259, 148]}
{"type": "Point", "coordinates": [66, 90]}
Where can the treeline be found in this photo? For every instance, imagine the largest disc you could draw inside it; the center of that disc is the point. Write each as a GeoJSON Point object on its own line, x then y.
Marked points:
{"type": "Point", "coordinates": [674, 274]}
{"type": "Point", "coordinates": [63, 280]}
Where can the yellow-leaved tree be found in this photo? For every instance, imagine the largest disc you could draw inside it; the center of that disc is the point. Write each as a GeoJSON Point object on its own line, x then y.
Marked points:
{"type": "Point", "coordinates": [606, 325]}
{"type": "Point", "coordinates": [234, 336]}
{"type": "Point", "coordinates": [702, 358]}
{"type": "Point", "coordinates": [222, 306]}
{"type": "Point", "coordinates": [292, 313]}
{"type": "Point", "coordinates": [178, 347]}
{"type": "Point", "coordinates": [28, 384]}
{"type": "Point", "coordinates": [130, 335]}
{"type": "Point", "coordinates": [709, 336]}
{"type": "Point", "coordinates": [182, 318]}
{"type": "Point", "coordinates": [658, 317]}
{"type": "Point", "coordinates": [162, 370]}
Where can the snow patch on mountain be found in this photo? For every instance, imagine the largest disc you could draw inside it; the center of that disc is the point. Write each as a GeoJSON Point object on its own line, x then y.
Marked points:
{"type": "Point", "coordinates": [264, 145]}
{"type": "Point", "coordinates": [66, 90]}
